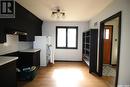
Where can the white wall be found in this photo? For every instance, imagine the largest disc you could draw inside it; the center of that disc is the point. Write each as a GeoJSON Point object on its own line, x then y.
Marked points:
{"type": "Point", "coordinates": [13, 45]}
{"type": "Point", "coordinates": [114, 7]}
{"type": "Point", "coordinates": [49, 29]}
{"type": "Point", "coordinates": [115, 23]}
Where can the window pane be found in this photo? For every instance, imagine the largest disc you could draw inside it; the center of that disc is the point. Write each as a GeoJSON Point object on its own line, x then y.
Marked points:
{"type": "Point", "coordinates": [61, 38]}
{"type": "Point", "coordinates": [72, 37]}
{"type": "Point", "coordinates": [107, 34]}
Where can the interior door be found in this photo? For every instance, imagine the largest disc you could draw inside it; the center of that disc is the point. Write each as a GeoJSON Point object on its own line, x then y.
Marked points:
{"type": "Point", "coordinates": [107, 44]}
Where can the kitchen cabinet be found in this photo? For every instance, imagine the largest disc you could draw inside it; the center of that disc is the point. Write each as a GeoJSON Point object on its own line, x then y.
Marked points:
{"type": "Point", "coordinates": [24, 21]}
{"type": "Point", "coordinates": [26, 58]}
{"type": "Point", "coordinates": [29, 58]}
{"type": "Point", "coordinates": [28, 23]}
{"type": "Point", "coordinates": [2, 36]}
{"type": "Point", "coordinates": [8, 72]}
{"type": "Point", "coordinates": [2, 31]}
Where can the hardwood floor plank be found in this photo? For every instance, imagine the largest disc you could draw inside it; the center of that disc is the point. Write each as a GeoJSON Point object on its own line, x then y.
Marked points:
{"type": "Point", "coordinates": [65, 74]}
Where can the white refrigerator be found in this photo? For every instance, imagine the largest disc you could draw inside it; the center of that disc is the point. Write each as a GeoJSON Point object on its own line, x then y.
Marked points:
{"type": "Point", "coordinates": [44, 43]}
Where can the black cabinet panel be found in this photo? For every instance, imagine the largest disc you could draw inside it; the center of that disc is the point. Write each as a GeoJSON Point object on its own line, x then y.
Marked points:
{"type": "Point", "coordinates": [2, 31]}
{"type": "Point", "coordinates": [28, 37]}
{"type": "Point", "coordinates": [27, 59]}
{"type": "Point", "coordinates": [30, 23]}
{"type": "Point", "coordinates": [24, 21]}
{"type": "Point", "coordinates": [2, 35]}
{"type": "Point", "coordinates": [8, 75]}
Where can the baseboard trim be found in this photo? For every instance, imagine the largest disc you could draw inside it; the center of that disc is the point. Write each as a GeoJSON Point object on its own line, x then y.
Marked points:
{"type": "Point", "coordinates": [67, 61]}
{"type": "Point", "coordinates": [113, 64]}
{"type": "Point", "coordinates": [123, 85]}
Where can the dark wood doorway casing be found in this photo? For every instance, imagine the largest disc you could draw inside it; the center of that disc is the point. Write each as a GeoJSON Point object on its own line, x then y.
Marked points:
{"type": "Point", "coordinates": [101, 44]}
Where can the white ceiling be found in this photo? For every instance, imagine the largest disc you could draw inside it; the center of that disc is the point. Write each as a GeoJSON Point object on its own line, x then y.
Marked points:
{"type": "Point", "coordinates": [76, 10]}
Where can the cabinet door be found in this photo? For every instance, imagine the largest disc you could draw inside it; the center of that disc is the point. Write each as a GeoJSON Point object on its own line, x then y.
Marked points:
{"type": "Point", "coordinates": [25, 59]}
{"type": "Point", "coordinates": [36, 59]}
{"type": "Point", "coordinates": [2, 31]}
{"type": "Point", "coordinates": [24, 21]}
{"type": "Point", "coordinates": [27, 22]}
{"type": "Point", "coordinates": [8, 75]}
{"type": "Point", "coordinates": [28, 37]}
{"type": "Point", "coordinates": [2, 36]}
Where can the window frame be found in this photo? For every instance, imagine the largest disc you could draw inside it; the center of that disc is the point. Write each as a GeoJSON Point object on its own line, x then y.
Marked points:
{"type": "Point", "coordinates": [67, 27]}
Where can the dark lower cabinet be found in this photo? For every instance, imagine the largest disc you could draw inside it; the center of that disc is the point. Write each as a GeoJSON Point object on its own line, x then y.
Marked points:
{"type": "Point", "coordinates": [8, 75]}
{"type": "Point", "coordinates": [28, 59]}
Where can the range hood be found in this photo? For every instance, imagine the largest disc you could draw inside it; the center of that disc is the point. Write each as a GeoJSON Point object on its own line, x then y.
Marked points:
{"type": "Point", "coordinates": [15, 32]}
{"type": "Point", "coordinates": [18, 33]}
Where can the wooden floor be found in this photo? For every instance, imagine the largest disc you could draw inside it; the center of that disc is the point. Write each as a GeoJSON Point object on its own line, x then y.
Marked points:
{"type": "Point", "coordinates": [66, 74]}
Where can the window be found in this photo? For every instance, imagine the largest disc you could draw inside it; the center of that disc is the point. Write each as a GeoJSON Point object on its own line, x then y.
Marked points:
{"type": "Point", "coordinates": [66, 37]}
{"type": "Point", "coordinates": [107, 34]}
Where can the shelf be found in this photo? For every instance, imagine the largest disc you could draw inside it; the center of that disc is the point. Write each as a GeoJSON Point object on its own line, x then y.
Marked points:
{"type": "Point", "coordinates": [90, 39]}
{"type": "Point", "coordinates": [87, 43]}
{"type": "Point", "coordinates": [87, 49]}
{"type": "Point", "coordinates": [87, 56]}
{"type": "Point", "coordinates": [86, 61]}
{"type": "Point", "coordinates": [87, 36]}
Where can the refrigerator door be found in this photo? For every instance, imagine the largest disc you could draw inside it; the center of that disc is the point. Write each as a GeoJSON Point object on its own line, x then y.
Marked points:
{"type": "Point", "coordinates": [41, 43]}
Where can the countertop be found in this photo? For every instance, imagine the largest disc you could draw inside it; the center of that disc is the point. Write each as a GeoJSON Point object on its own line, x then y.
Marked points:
{"type": "Point", "coordinates": [6, 59]}
{"type": "Point", "coordinates": [30, 50]}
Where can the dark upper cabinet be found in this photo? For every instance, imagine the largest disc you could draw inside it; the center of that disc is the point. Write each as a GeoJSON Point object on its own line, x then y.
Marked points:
{"type": "Point", "coordinates": [2, 37]}
{"type": "Point", "coordinates": [2, 32]}
{"type": "Point", "coordinates": [24, 21]}
{"type": "Point", "coordinates": [28, 22]}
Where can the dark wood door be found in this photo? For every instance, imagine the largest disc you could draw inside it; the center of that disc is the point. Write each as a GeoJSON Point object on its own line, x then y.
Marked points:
{"type": "Point", "coordinates": [107, 44]}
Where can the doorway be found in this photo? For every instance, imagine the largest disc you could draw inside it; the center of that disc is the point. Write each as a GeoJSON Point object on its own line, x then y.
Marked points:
{"type": "Point", "coordinates": [109, 47]}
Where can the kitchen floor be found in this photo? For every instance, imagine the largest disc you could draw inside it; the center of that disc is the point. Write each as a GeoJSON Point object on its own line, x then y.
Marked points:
{"type": "Point", "coordinates": [66, 74]}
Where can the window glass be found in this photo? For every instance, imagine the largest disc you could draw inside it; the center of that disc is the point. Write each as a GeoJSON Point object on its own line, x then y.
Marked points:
{"type": "Point", "coordinates": [107, 34]}
{"type": "Point", "coordinates": [61, 40]}
{"type": "Point", "coordinates": [71, 37]}
{"type": "Point", "coordinates": [66, 37]}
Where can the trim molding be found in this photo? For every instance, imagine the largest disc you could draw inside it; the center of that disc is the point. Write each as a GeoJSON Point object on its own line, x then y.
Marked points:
{"type": "Point", "coordinates": [67, 27]}
{"type": "Point", "coordinates": [101, 45]}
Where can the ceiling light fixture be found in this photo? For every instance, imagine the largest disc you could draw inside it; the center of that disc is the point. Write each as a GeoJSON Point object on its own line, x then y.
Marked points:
{"type": "Point", "coordinates": [58, 13]}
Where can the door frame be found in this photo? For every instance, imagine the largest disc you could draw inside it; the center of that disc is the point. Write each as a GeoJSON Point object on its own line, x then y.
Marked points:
{"type": "Point", "coordinates": [119, 14]}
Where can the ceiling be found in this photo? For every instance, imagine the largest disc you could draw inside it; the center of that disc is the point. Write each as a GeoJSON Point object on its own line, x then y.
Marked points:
{"type": "Point", "coordinates": [76, 10]}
